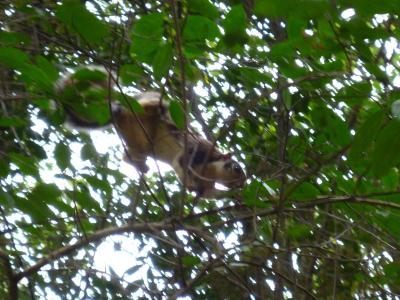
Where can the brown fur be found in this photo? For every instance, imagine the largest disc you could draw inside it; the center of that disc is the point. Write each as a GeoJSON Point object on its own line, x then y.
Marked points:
{"type": "Point", "coordinates": [153, 134]}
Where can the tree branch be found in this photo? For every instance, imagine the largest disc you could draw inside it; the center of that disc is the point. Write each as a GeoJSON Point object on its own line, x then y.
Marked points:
{"type": "Point", "coordinates": [96, 236]}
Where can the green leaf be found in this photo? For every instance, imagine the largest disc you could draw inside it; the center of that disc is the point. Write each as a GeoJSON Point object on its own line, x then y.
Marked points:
{"type": "Point", "coordinates": [305, 191]}
{"type": "Point", "coordinates": [38, 210]}
{"type": "Point", "coordinates": [26, 164]}
{"type": "Point", "coordinates": [89, 75]}
{"type": "Point", "coordinates": [48, 68]}
{"type": "Point", "coordinates": [374, 7]}
{"type": "Point", "coordinates": [376, 71]}
{"type": "Point", "coordinates": [162, 61]}
{"type": "Point", "coordinates": [12, 122]}
{"type": "Point", "coordinates": [333, 128]}
{"type": "Point", "coordinates": [177, 114]}
{"type": "Point", "coordinates": [273, 9]}
{"type": "Point", "coordinates": [97, 183]}
{"type": "Point", "coordinates": [235, 25]}
{"type": "Point", "coordinates": [298, 231]}
{"type": "Point", "coordinates": [88, 151]}
{"type": "Point", "coordinates": [146, 36]}
{"type": "Point", "coordinates": [6, 200]}
{"type": "Point", "coordinates": [40, 197]}
{"type": "Point", "coordinates": [85, 200]}
{"type": "Point", "coordinates": [358, 90]}
{"type": "Point", "coordinates": [298, 8]}
{"type": "Point", "coordinates": [204, 8]}
{"type": "Point", "coordinates": [190, 260]}
{"type": "Point", "coordinates": [387, 148]}
{"type": "Point", "coordinates": [4, 168]}
{"type": "Point", "coordinates": [253, 192]}
{"type": "Point", "coordinates": [82, 22]}
{"type": "Point", "coordinates": [38, 77]}
{"type": "Point", "coordinates": [12, 38]}
{"type": "Point", "coordinates": [392, 270]}
{"type": "Point", "coordinates": [390, 180]}
{"type": "Point", "coordinates": [253, 75]}
{"type": "Point", "coordinates": [130, 73]}
{"type": "Point", "coordinates": [45, 191]}
{"type": "Point", "coordinates": [365, 135]}
{"type": "Point", "coordinates": [13, 58]}
{"type": "Point", "coordinates": [130, 103]}
{"type": "Point", "coordinates": [89, 100]}
{"type": "Point", "coordinates": [62, 156]}
{"type": "Point", "coordinates": [199, 28]}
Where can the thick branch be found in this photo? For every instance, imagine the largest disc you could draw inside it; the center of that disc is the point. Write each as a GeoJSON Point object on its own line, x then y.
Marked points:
{"type": "Point", "coordinates": [96, 236]}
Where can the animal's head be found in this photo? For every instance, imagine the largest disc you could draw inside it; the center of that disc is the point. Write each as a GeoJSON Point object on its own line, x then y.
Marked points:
{"type": "Point", "coordinates": [229, 172]}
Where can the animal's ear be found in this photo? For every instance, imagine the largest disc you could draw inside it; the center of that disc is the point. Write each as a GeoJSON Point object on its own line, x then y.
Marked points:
{"type": "Point", "coordinates": [227, 156]}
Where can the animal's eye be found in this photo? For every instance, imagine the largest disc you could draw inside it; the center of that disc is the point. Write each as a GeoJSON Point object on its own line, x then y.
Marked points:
{"type": "Point", "coordinates": [236, 168]}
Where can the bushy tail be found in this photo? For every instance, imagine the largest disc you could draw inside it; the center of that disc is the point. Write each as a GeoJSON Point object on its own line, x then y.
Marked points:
{"type": "Point", "coordinates": [83, 97]}
{"type": "Point", "coordinates": [74, 119]}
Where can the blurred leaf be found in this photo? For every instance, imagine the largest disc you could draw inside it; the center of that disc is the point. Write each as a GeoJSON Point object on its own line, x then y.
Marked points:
{"type": "Point", "coordinates": [235, 25]}
{"type": "Point", "coordinates": [18, 60]}
{"type": "Point", "coordinates": [369, 9]}
{"type": "Point", "coordinates": [26, 164]}
{"type": "Point", "coordinates": [133, 270]}
{"type": "Point", "coordinates": [6, 200]}
{"type": "Point", "coordinates": [46, 193]}
{"type": "Point", "coordinates": [191, 261]}
{"type": "Point", "coordinates": [333, 128]}
{"type": "Point", "coordinates": [204, 8]}
{"type": "Point", "coordinates": [359, 90]}
{"type": "Point", "coordinates": [305, 191]}
{"type": "Point", "coordinates": [36, 76]}
{"type": "Point", "coordinates": [89, 75]}
{"type": "Point", "coordinates": [130, 73]}
{"type": "Point", "coordinates": [146, 36]}
{"type": "Point", "coordinates": [392, 270]}
{"type": "Point", "coordinates": [12, 122]}
{"type": "Point", "coordinates": [162, 61]}
{"type": "Point", "coordinates": [198, 28]}
{"type": "Point", "coordinates": [365, 135]}
{"type": "Point", "coordinates": [35, 208]}
{"type": "Point", "coordinates": [4, 168]}
{"type": "Point", "coordinates": [62, 156]}
{"type": "Point", "coordinates": [37, 203]}
{"type": "Point", "coordinates": [253, 192]}
{"type": "Point", "coordinates": [299, 231]}
{"type": "Point", "coordinates": [8, 38]}
{"type": "Point", "coordinates": [48, 68]}
{"type": "Point", "coordinates": [385, 155]}
{"type": "Point", "coordinates": [85, 200]}
{"type": "Point", "coordinates": [88, 152]}
{"type": "Point", "coordinates": [13, 58]}
{"type": "Point", "coordinates": [130, 103]}
{"type": "Point", "coordinates": [177, 114]}
{"type": "Point", "coordinates": [97, 183]}
{"type": "Point", "coordinates": [297, 8]}
{"type": "Point", "coordinates": [82, 22]}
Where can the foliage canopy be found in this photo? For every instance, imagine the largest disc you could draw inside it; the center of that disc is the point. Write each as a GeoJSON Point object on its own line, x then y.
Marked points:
{"type": "Point", "coordinates": [305, 94]}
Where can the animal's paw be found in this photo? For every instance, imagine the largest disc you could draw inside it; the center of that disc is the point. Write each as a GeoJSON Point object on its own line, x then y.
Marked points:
{"type": "Point", "coordinates": [138, 164]}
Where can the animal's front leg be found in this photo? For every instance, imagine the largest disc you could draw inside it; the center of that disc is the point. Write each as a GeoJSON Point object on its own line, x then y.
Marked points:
{"type": "Point", "coordinates": [137, 161]}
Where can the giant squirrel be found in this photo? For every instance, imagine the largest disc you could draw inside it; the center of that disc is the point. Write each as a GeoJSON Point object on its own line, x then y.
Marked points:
{"type": "Point", "coordinates": [151, 133]}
